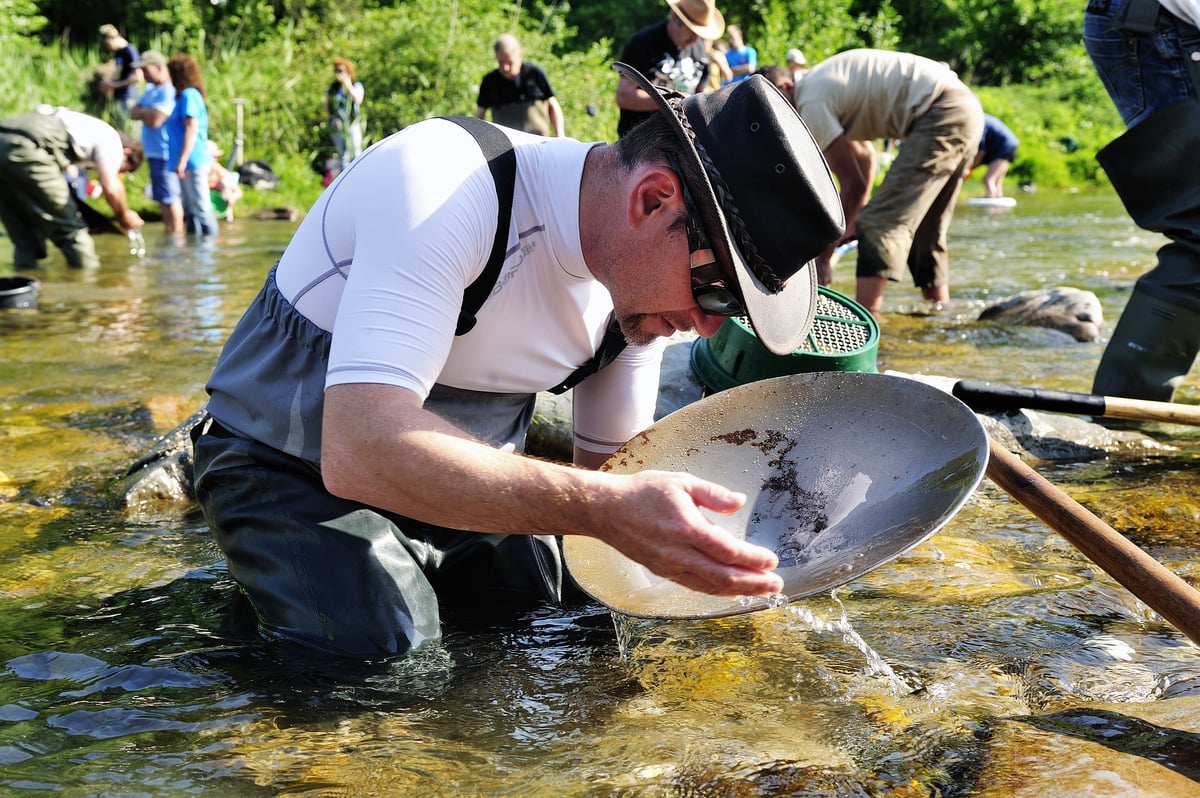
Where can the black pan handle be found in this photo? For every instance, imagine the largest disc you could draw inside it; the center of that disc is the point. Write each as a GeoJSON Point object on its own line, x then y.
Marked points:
{"type": "Point", "coordinates": [978, 395]}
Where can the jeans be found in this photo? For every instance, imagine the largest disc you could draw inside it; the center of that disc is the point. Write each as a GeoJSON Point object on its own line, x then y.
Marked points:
{"type": "Point", "coordinates": [198, 214]}
{"type": "Point", "coordinates": [1141, 72]}
{"type": "Point", "coordinates": [348, 144]}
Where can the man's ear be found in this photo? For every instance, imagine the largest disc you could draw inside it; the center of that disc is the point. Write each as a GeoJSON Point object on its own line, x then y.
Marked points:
{"type": "Point", "coordinates": [656, 192]}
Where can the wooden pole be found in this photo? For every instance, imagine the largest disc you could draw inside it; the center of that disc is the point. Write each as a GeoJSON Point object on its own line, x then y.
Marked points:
{"type": "Point", "coordinates": [1161, 589]}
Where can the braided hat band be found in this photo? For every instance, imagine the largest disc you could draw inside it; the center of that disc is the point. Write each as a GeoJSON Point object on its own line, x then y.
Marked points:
{"type": "Point", "coordinates": [729, 209]}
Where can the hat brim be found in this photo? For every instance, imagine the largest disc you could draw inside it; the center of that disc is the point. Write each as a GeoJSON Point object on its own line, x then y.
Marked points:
{"type": "Point", "coordinates": [713, 30]}
{"type": "Point", "coordinates": [780, 319]}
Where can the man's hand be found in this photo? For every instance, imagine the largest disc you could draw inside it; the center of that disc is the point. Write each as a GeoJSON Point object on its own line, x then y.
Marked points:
{"type": "Point", "coordinates": [657, 522]}
{"type": "Point", "coordinates": [130, 219]}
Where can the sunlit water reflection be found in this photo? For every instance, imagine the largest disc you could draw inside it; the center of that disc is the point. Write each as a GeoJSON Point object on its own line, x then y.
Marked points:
{"type": "Point", "coordinates": [992, 660]}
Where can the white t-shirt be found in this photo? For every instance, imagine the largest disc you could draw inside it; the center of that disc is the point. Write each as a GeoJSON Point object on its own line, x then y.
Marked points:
{"type": "Point", "coordinates": [384, 256]}
{"type": "Point", "coordinates": [96, 140]}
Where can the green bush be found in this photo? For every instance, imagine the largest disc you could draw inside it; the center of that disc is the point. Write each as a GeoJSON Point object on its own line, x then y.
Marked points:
{"type": "Point", "coordinates": [1059, 137]}
{"type": "Point", "coordinates": [417, 61]}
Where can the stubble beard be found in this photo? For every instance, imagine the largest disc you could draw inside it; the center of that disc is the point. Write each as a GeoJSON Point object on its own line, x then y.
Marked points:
{"type": "Point", "coordinates": [631, 328]}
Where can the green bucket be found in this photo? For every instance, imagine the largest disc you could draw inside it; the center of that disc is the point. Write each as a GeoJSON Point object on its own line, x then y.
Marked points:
{"type": "Point", "coordinates": [844, 337]}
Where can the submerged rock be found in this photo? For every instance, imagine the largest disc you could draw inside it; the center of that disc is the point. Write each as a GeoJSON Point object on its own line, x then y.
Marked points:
{"type": "Point", "coordinates": [1070, 310]}
{"type": "Point", "coordinates": [1102, 749]}
{"type": "Point", "coordinates": [161, 479]}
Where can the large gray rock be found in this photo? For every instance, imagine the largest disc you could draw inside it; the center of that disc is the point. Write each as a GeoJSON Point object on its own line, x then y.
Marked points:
{"type": "Point", "coordinates": [1070, 310]}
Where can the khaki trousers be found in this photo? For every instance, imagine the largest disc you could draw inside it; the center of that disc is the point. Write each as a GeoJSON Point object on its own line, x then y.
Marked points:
{"type": "Point", "coordinates": [906, 222]}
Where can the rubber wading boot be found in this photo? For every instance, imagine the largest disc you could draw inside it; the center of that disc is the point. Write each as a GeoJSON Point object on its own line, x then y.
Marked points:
{"type": "Point", "coordinates": [1151, 350]}
{"type": "Point", "coordinates": [1154, 168]}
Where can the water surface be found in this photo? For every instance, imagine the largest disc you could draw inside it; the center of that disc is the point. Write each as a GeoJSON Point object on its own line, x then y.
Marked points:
{"type": "Point", "coordinates": [992, 660]}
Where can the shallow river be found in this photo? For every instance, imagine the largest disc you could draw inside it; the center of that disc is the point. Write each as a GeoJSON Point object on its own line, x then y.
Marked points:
{"type": "Point", "coordinates": [992, 660]}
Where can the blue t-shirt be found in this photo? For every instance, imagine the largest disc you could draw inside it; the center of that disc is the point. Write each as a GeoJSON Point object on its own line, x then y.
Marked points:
{"type": "Point", "coordinates": [736, 58]}
{"type": "Point", "coordinates": [189, 103]}
{"type": "Point", "coordinates": [998, 141]}
{"type": "Point", "coordinates": [161, 99]}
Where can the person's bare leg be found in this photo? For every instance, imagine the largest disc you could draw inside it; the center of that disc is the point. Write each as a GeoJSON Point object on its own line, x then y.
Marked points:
{"type": "Point", "coordinates": [869, 292]}
{"type": "Point", "coordinates": [172, 215]}
{"type": "Point", "coordinates": [937, 293]}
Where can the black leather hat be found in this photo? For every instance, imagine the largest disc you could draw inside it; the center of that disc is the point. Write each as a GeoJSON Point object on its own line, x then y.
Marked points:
{"type": "Point", "coordinates": [767, 199]}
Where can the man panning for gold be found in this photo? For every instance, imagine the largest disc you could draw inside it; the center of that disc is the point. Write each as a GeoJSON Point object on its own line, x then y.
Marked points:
{"type": "Point", "coordinates": [358, 469]}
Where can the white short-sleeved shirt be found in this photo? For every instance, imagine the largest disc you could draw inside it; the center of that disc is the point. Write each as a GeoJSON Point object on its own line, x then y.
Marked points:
{"type": "Point", "coordinates": [382, 260]}
{"type": "Point", "coordinates": [97, 142]}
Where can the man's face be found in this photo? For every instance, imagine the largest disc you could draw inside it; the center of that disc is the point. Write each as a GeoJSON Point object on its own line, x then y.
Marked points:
{"type": "Point", "coordinates": [680, 34]}
{"type": "Point", "coordinates": [156, 73]}
{"type": "Point", "coordinates": [112, 43]}
{"type": "Point", "coordinates": [509, 62]}
{"type": "Point", "coordinates": [663, 295]}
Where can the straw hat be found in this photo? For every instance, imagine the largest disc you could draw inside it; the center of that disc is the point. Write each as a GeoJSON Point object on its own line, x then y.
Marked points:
{"type": "Point", "coordinates": [701, 16]}
{"type": "Point", "coordinates": [765, 196]}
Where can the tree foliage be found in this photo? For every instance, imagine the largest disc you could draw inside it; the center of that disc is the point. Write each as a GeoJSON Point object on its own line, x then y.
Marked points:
{"type": "Point", "coordinates": [990, 43]}
{"type": "Point", "coordinates": [422, 58]}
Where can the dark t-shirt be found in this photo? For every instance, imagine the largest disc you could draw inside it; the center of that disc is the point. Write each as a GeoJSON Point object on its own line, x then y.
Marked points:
{"type": "Point", "coordinates": [531, 84]}
{"type": "Point", "coordinates": [124, 59]}
{"type": "Point", "coordinates": [651, 52]}
{"type": "Point", "coordinates": [998, 140]}
{"type": "Point", "coordinates": [519, 103]}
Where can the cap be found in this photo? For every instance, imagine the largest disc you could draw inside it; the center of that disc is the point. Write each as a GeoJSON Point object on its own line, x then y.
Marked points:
{"type": "Point", "coordinates": [794, 56]}
{"type": "Point", "coordinates": [151, 58]}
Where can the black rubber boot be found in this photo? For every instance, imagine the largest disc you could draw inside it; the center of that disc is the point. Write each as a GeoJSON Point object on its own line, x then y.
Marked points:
{"type": "Point", "coordinates": [1155, 171]}
{"type": "Point", "coordinates": [1151, 350]}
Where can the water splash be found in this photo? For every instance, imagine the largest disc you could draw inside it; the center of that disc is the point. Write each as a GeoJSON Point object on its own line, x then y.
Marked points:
{"type": "Point", "coordinates": [876, 665]}
{"type": "Point", "coordinates": [624, 627]}
{"type": "Point", "coordinates": [137, 243]}
{"type": "Point", "coordinates": [763, 602]}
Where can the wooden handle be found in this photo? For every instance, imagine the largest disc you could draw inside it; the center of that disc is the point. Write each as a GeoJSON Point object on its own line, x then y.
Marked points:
{"type": "Point", "coordinates": [1161, 589]}
{"type": "Point", "coordinates": [1145, 410]}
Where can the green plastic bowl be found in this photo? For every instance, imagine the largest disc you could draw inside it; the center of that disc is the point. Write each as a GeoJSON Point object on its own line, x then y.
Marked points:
{"type": "Point", "coordinates": [844, 337]}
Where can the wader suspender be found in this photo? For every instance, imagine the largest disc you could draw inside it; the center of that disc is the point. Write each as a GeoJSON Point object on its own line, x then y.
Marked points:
{"type": "Point", "coordinates": [1139, 16]}
{"type": "Point", "coordinates": [502, 162]}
